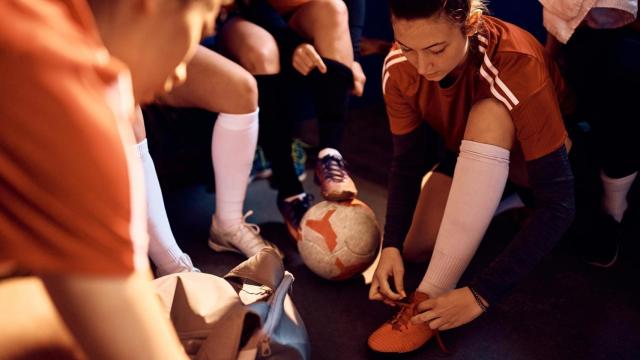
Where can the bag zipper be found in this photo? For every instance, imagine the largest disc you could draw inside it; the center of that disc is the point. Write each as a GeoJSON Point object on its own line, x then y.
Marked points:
{"type": "Point", "coordinates": [275, 312]}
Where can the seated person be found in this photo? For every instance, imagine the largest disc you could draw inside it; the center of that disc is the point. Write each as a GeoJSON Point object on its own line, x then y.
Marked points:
{"type": "Point", "coordinates": [218, 85]}
{"type": "Point", "coordinates": [272, 40]}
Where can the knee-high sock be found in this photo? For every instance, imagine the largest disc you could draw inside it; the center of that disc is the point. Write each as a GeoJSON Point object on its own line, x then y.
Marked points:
{"type": "Point", "coordinates": [233, 146]}
{"type": "Point", "coordinates": [276, 133]}
{"type": "Point", "coordinates": [331, 93]}
{"type": "Point", "coordinates": [478, 183]}
{"type": "Point", "coordinates": [163, 249]}
{"type": "Point", "coordinates": [614, 199]}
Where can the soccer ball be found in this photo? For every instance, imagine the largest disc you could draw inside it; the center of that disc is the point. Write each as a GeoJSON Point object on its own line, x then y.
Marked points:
{"type": "Point", "coordinates": [339, 239]}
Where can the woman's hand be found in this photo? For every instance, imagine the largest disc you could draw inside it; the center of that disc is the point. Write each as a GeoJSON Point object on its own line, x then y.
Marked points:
{"type": "Point", "coordinates": [390, 265]}
{"type": "Point", "coordinates": [306, 58]}
{"type": "Point", "coordinates": [449, 310]}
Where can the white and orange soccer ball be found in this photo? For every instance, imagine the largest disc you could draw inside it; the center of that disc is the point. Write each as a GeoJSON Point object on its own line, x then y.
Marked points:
{"type": "Point", "coordinates": [339, 239]}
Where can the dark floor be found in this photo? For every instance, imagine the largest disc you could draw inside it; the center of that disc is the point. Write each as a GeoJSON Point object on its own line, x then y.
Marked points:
{"type": "Point", "coordinates": [564, 310]}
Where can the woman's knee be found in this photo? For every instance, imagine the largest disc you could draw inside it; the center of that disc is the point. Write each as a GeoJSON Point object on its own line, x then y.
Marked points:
{"type": "Point", "coordinates": [332, 14]}
{"type": "Point", "coordinates": [262, 59]}
{"type": "Point", "coordinates": [236, 94]}
{"type": "Point", "coordinates": [243, 94]}
{"type": "Point", "coordinates": [251, 46]}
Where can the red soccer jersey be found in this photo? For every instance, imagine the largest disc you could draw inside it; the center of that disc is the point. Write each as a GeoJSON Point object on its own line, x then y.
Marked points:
{"type": "Point", "coordinates": [514, 69]}
{"type": "Point", "coordinates": [71, 190]}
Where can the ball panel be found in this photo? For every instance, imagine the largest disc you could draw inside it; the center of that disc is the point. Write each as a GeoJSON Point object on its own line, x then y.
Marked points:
{"type": "Point", "coordinates": [324, 229]}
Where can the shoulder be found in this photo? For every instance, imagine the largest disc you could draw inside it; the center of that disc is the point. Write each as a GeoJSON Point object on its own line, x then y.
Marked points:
{"type": "Point", "coordinates": [513, 64]}
{"type": "Point", "coordinates": [398, 71]}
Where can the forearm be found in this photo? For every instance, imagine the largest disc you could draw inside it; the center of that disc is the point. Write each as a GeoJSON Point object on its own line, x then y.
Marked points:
{"type": "Point", "coordinates": [112, 318]}
{"type": "Point", "coordinates": [551, 180]}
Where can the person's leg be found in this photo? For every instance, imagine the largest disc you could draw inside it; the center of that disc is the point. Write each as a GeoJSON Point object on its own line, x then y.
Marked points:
{"type": "Point", "coordinates": [618, 125]}
{"type": "Point", "coordinates": [163, 248]}
{"type": "Point", "coordinates": [256, 50]}
{"type": "Point", "coordinates": [219, 85]}
{"type": "Point", "coordinates": [478, 182]}
{"type": "Point", "coordinates": [326, 25]}
{"type": "Point", "coordinates": [427, 217]}
{"type": "Point", "coordinates": [216, 84]}
{"type": "Point", "coordinates": [611, 116]}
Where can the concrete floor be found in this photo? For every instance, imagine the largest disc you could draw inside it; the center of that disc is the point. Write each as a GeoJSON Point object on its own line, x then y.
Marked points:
{"type": "Point", "coordinates": [564, 310]}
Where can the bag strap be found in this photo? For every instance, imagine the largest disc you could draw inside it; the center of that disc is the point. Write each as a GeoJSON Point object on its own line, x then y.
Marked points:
{"type": "Point", "coordinates": [264, 268]}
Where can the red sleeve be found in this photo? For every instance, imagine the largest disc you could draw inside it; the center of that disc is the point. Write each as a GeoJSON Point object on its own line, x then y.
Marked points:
{"type": "Point", "coordinates": [522, 83]}
{"type": "Point", "coordinates": [403, 117]}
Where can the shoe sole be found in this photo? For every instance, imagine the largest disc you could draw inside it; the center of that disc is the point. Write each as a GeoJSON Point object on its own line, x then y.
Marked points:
{"type": "Point", "coordinates": [375, 354]}
{"type": "Point", "coordinates": [606, 265]}
{"type": "Point", "coordinates": [341, 196]}
{"type": "Point", "coordinates": [221, 248]}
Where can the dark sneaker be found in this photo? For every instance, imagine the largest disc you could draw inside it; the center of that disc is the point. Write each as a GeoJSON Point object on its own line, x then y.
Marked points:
{"type": "Point", "coordinates": [602, 246]}
{"type": "Point", "coordinates": [293, 211]}
{"type": "Point", "coordinates": [333, 178]}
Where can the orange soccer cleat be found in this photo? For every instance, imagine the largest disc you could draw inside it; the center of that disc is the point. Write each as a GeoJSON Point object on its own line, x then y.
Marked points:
{"type": "Point", "coordinates": [399, 335]}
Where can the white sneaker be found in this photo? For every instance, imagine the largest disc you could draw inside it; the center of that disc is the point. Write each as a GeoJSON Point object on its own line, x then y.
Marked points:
{"type": "Point", "coordinates": [243, 239]}
{"type": "Point", "coordinates": [184, 265]}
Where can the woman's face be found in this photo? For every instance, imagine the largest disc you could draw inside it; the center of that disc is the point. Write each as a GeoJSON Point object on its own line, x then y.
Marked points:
{"type": "Point", "coordinates": [435, 46]}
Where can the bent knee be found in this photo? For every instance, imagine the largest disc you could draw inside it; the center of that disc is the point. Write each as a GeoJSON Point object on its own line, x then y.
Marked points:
{"type": "Point", "coordinates": [262, 60]}
{"type": "Point", "coordinates": [333, 12]}
{"type": "Point", "coordinates": [243, 94]}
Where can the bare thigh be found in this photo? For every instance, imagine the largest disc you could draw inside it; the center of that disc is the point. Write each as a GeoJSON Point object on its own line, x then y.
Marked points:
{"type": "Point", "coordinates": [250, 46]}
{"type": "Point", "coordinates": [326, 24]}
{"type": "Point", "coordinates": [215, 83]}
{"type": "Point", "coordinates": [427, 217]}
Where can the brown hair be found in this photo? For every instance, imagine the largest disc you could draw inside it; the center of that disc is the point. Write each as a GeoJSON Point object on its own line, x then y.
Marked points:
{"type": "Point", "coordinates": [458, 12]}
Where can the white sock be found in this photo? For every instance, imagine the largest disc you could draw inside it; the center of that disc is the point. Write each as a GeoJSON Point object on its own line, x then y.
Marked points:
{"type": "Point", "coordinates": [329, 151]}
{"type": "Point", "coordinates": [163, 249]}
{"type": "Point", "coordinates": [478, 183]}
{"type": "Point", "coordinates": [233, 146]}
{"type": "Point", "coordinates": [614, 199]}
